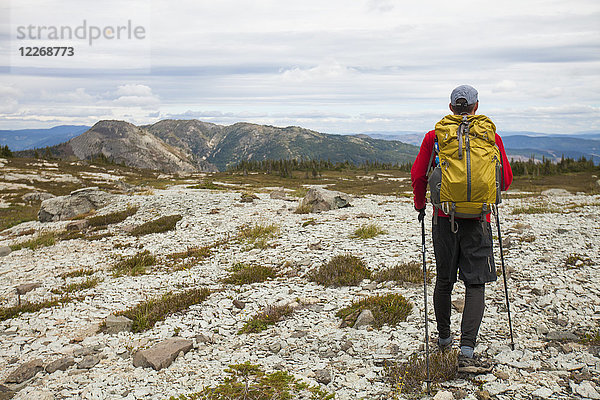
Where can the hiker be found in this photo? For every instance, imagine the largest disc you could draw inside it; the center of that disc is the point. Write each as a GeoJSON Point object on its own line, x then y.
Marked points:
{"type": "Point", "coordinates": [462, 239]}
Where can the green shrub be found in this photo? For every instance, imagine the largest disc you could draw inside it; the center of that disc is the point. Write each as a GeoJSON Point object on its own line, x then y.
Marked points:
{"type": "Point", "coordinates": [341, 270]}
{"type": "Point", "coordinates": [389, 309]}
{"type": "Point", "coordinates": [78, 286]}
{"type": "Point", "coordinates": [145, 315]}
{"type": "Point", "coordinates": [249, 382]}
{"type": "Point", "coordinates": [269, 316]}
{"type": "Point", "coordinates": [405, 272]}
{"type": "Point", "coordinates": [135, 265]}
{"type": "Point", "coordinates": [258, 234]}
{"type": "Point", "coordinates": [367, 231]}
{"type": "Point", "coordinates": [26, 307]}
{"type": "Point", "coordinates": [162, 224]}
{"type": "Point", "coordinates": [243, 274]}
{"type": "Point", "coordinates": [78, 273]}
{"type": "Point", "coordinates": [44, 239]}
{"type": "Point", "coordinates": [591, 338]}
{"type": "Point", "coordinates": [575, 260]}
{"type": "Point", "coordinates": [99, 221]}
{"type": "Point", "coordinates": [408, 377]}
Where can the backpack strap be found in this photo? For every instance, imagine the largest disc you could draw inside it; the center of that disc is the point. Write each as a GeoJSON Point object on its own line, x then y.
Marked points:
{"type": "Point", "coordinates": [433, 151]}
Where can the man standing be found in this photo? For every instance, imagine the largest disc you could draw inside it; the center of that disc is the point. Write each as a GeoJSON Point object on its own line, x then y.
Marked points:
{"type": "Point", "coordinates": [462, 246]}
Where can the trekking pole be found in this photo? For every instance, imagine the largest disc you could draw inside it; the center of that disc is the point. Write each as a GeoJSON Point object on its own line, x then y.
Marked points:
{"type": "Point", "coordinates": [425, 302]}
{"type": "Point", "coordinates": [512, 342]}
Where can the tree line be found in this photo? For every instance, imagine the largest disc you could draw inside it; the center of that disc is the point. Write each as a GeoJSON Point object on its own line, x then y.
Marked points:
{"type": "Point", "coordinates": [5, 151]}
{"type": "Point", "coordinates": [314, 168]}
{"type": "Point", "coordinates": [533, 167]}
{"type": "Point", "coordinates": [311, 167]}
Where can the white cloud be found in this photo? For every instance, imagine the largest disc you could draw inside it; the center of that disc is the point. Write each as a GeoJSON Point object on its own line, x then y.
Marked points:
{"type": "Point", "coordinates": [505, 86]}
{"type": "Point", "coordinates": [77, 96]}
{"type": "Point", "coordinates": [134, 90]}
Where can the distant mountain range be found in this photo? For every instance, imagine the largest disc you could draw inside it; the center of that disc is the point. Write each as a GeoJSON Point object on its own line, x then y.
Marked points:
{"type": "Point", "coordinates": [522, 145]}
{"type": "Point", "coordinates": [23, 139]}
{"type": "Point", "coordinates": [192, 145]}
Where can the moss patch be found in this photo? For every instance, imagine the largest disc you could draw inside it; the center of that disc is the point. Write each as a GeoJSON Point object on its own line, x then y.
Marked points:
{"type": "Point", "coordinates": [269, 316]}
{"type": "Point", "coordinates": [26, 307]}
{"type": "Point", "coordinates": [243, 274]}
{"type": "Point", "coordinates": [258, 234]}
{"type": "Point", "coordinates": [406, 272]}
{"type": "Point", "coordinates": [78, 286]}
{"type": "Point", "coordinates": [368, 231]}
{"type": "Point", "coordinates": [100, 221]}
{"type": "Point", "coordinates": [145, 315]}
{"type": "Point", "coordinates": [341, 270]}
{"type": "Point", "coordinates": [162, 224]}
{"type": "Point", "coordinates": [42, 240]}
{"type": "Point", "coordinates": [388, 309]}
{"type": "Point", "coordinates": [135, 265]}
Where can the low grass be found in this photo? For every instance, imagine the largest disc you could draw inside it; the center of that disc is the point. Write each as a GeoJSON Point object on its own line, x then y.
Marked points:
{"type": "Point", "coordinates": [78, 286]}
{"type": "Point", "coordinates": [264, 319]}
{"type": "Point", "coordinates": [408, 377]}
{"type": "Point", "coordinates": [243, 274]}
{"type": "Point", "coordinates": [17, 214]}
{"type": "Point", "coordinates": [26, 307]}
{"type": "Point", "coordinates": [591, 338]}
{"type": "Point", "coordinates": [249, 382]}
{"type": "Point", "coordinates": [257, 235]}
{"type": "Point", "coordinates": [100, 221]}
{"type": "Point", "coordinates": [135, 265]}
{"type": "Point", "coordinates": [535, 209]}
{"type": "Point", "coordinates": [207, 185]}
{"type": "Point", "coordinates": [367, 231]}
{"type": "Point", "coordinates": [42, 240]}
{"type": "Point", "coordinates": [162, 224]}
{"type": "Point", "coordinates": [309, 222]}
{"type": "Point", "coordinates": [405, 272]}
{"type": "Point", "coordinates": [78, 273]}
{"type": "Point", "coordinates": [145, 315]}
{"type": "Point", "coordinates": [389, 309]}
{"type": "Point", "coordinates": [341, 270]}
{"type": "Point", "coordinates": [575, 260]}
{"type": "Point", "coordinates": [303, 209]}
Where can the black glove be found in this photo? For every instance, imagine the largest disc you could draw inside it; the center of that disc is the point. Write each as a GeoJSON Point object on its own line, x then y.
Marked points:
{"type": "Point", "coordinates": [421, 214]}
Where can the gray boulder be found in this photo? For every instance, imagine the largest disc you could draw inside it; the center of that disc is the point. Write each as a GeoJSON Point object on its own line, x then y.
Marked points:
{"type": "Point", "coordinates": [280, 194]}
{"type": "Point", "coordinates": [25, 371]}
{"type": "Point", "coordinates": [88, 362]}
{"type": "Point", "coordinates": [161, 355]}
{"type": "Point", "coordinates": [78, 202]}
{"type": "Point", "coordinates": [27, 287]}
{"type": "Point", "coordinates": [319, 199]}
{"type": "Point", "coordinates": [5, 250]}
{"type": "Point", "coordinates": [116, 324]}
{"type": "Point", "coordinates": [365, 318]}
{"type": "Point", "coordinates": [37, 196]}
{"type": "Point", "coordinates": [60, 364]}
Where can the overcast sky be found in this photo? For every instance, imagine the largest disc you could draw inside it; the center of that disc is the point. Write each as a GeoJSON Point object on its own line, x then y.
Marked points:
{"type": "Point", "coordinates": [336, 66]}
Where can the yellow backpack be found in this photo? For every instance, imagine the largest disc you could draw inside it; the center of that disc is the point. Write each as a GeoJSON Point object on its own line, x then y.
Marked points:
{"type": "Point", "coordinates": [466, 181]}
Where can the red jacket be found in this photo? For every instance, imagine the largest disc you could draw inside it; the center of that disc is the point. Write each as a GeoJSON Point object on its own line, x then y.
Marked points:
{"type": "Point", "coordinates": [418, 172]}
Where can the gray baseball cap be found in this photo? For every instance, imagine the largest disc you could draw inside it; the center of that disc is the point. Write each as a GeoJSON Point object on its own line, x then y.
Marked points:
{"type": "Point", "coordinates": [464, 92]}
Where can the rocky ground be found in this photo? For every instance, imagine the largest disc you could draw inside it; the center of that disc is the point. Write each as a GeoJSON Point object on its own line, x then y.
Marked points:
{"type": "Point", "coordinates": [553, 304]}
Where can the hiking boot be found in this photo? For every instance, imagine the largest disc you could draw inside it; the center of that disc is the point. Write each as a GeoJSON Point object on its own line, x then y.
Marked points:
{"type": "Point", "coordinates": [474, 365]}
{"type": "Point", "coordinates": [444, 345]}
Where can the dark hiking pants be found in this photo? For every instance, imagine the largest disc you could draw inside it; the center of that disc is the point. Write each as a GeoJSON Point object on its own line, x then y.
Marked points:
{"type": "Point", "coordinates": [467, 253]}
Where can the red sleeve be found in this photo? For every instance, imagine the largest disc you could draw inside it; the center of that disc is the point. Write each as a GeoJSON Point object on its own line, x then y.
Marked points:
{"type": "Point", "coordinates": [418, 172]}
{"type": "Point", "coordinates": [507, 175]}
